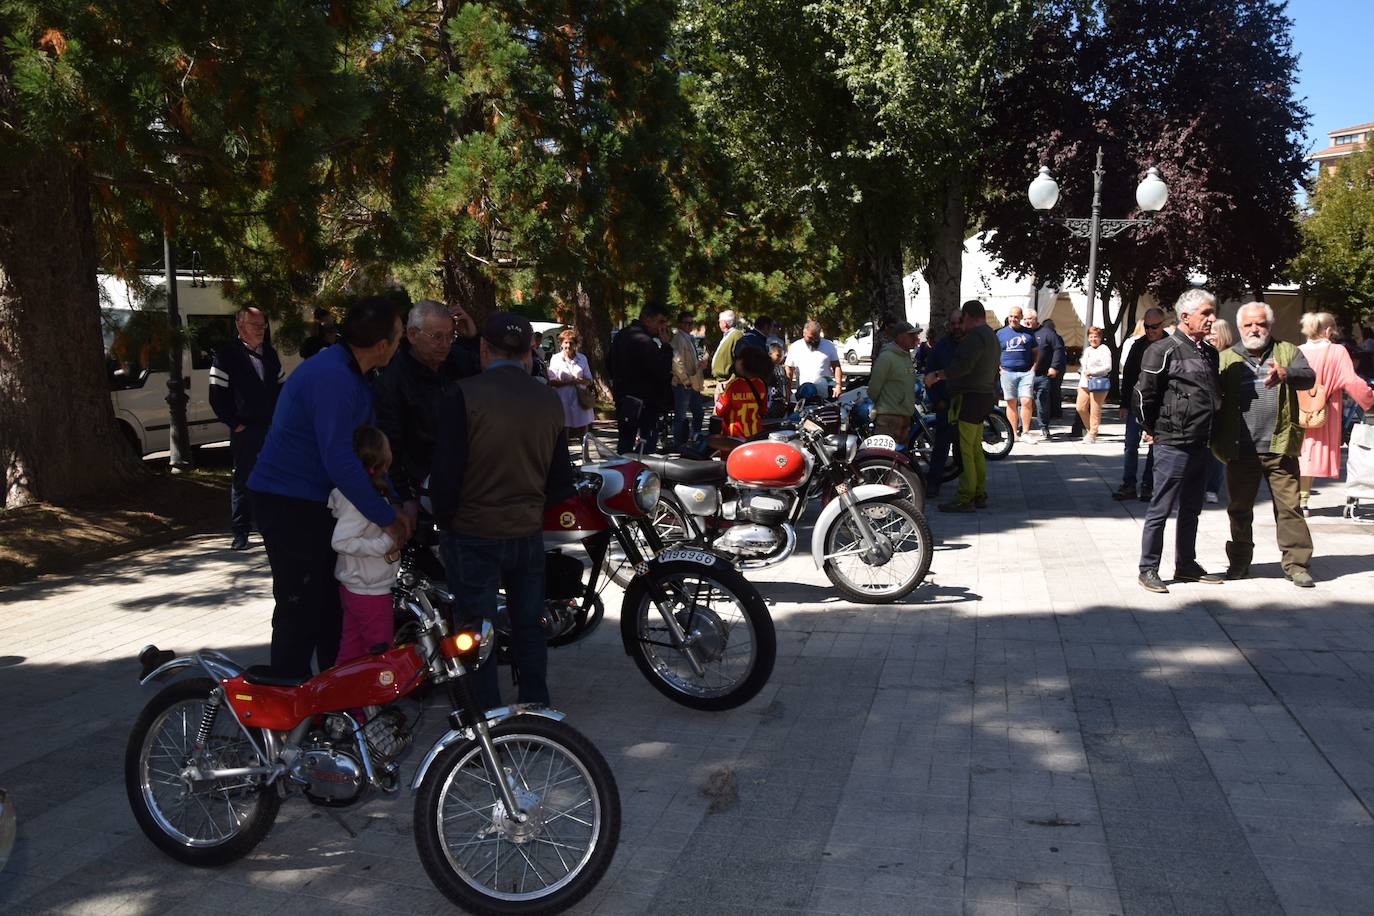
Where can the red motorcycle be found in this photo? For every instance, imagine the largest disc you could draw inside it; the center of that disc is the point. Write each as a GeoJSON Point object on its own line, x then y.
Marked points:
{"type": "Point", "coordinates": [515, 811]}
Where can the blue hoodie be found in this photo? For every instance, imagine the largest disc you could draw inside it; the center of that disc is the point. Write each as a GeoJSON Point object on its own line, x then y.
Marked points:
{"type": "Point", "coordinates": [309, 447]}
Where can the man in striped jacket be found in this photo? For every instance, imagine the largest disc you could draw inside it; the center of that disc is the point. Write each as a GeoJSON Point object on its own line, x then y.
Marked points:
{"type": "Point", "coordinates": [245, 378]}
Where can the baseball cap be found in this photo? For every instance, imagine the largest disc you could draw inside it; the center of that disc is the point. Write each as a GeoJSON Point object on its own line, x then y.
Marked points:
{"type": "Point", "coordinates": [905, 327]}
{"type": "Point", "coordinates": [507, 331]}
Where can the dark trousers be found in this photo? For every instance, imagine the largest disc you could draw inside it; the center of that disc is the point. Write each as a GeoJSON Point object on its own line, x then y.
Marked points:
{"type": "Point", "coordinates": [477, 567]}
{"type": "Point", "coordinates": [1131, 456]}
{"type": "Point", "coordinates": [1180, 476]}
{"type": "Point", "coordinates": [1216, 475]}
{"type": "Point", "coordinates": [244, 445]}
{"type": "Point", "coordinates": [308, 619]}
{"type": "Point", "coordinates": [1242, 486]}
{"type": "Point", "coordinates": [1044, 402]}
{"type": "Point", "coordinates": [688, 408]}
{"type": "Point", "coordinates": [942, 440]}
{"type": "Point", "coordinates": [636, 421]}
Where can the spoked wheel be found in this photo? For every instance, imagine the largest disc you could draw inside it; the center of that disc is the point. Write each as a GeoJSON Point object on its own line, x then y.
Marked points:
{"type": "Point", "coordinates": [902, 478]}
{"type": "Point", "coordinates": [997, 436]}
{"type": "Point", "coordinates": [726, 624]}
{"type": "Point", "coordinates": [199, 824]}
{"type": "Point", "coordinates": [905, 551]}
{"type": "Point", "coordinates": [487, 860]}
{"type": "Point", "coordinates": [668, 520]}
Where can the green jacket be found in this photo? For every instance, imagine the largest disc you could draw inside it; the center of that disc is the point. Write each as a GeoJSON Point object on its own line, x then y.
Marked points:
{"type": "Point", "coordinates": [1230, 426]}
{"type": "Point", "coordinates": [976, 363]}
{"type": "Point", "coordinates": [723, 362]}
{"type": "Point", "coordinates": [892, 384]}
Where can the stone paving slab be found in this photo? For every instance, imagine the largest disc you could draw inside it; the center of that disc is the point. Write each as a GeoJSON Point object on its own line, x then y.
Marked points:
{"type": "Point", "coordinates": [1032, 733]}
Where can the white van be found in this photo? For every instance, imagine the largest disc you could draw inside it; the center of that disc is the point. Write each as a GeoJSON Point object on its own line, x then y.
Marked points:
{"type": "Point", "coordinates": [134, 332]}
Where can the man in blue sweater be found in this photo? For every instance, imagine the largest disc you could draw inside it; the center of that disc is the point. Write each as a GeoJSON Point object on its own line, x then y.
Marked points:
{"type": "Point", "coordinates": [308, 453]}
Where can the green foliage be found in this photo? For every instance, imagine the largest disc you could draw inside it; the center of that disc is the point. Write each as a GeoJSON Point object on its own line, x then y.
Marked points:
{"type": "Point", "coordinates": [1336, 260]}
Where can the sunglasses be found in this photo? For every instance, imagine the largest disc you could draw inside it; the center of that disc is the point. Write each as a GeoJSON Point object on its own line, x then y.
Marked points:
{"type": "Point", "coordinates": [1154, 327]}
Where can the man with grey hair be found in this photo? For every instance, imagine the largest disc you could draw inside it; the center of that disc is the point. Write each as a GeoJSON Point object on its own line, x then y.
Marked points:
{"type": "Point", "coordinates": [1258, 436]}
{"type": "Point", "coordinates": [723, 362]}
{"type": "Point", "coordinates": [1176, 401]}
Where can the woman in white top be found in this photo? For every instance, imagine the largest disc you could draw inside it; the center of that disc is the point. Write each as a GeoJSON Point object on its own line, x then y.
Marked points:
{"type": "Point", "coordinates": [1095, 369]}
{"type": "Point", "coordinates": [569, 373]}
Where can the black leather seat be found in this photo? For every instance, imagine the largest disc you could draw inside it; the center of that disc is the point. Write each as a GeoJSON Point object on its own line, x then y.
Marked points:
{"type": "Point", "coordinates": [685, 470]}
{"type": "Point", "coordinates": [263, 676]}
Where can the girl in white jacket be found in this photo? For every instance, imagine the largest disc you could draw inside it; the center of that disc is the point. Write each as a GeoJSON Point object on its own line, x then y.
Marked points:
{"type": "Point", "coordinates": [368, 557]}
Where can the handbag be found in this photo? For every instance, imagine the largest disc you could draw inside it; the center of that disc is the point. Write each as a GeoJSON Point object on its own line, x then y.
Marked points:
{"type": "Point", "coordinates": [585, 396]}
{"type": "Point", "coordinates": [1097, 383]}
{"type": "Point", "coordinates": [1312, 405]}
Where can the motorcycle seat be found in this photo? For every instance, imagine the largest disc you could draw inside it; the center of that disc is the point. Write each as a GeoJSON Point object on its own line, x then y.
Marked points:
{"type": "Point", "coordinates": [685, 470]}
{"type": "Point", "coordinates": [263, 676]}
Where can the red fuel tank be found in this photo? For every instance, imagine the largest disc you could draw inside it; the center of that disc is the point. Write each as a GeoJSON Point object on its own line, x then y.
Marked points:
{"type": "Point", "coordinates": [766, 464]}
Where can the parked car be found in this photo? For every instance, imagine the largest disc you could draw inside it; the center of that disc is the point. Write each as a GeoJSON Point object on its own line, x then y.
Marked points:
{"type": "Point", "coordinates": [859, 346]}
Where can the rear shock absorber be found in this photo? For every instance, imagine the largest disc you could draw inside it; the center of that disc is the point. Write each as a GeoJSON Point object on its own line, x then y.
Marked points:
{"type": "Point", "coordinates": [207, 719]}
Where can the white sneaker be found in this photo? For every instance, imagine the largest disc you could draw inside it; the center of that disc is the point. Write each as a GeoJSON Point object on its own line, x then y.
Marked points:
{"type": "Point", "coordinates": [1211, 497]}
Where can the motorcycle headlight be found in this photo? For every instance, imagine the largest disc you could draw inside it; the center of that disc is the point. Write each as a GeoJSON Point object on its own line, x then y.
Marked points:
{"type": "Point", "coordinates": [851, 446]}
{"type": "Point", "coordinates": [647, 486]}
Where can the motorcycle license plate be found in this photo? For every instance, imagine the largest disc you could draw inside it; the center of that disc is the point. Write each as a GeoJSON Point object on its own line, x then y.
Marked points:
{"type": "Point", "coordinates": [884, 442]}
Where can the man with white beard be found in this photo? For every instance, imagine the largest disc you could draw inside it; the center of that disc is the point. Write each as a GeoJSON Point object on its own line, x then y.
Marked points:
{"type": "Point", "coordinates": [1258, 436]}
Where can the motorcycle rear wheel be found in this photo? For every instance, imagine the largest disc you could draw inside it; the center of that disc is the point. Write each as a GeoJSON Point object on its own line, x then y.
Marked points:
{"type": "Point", "coordinates": [891, 473]}
{"type": "Point", "coordinates": [668, 519]}
{"type": "Point", "coordinates": [730, 624]}
{"type": "Point", "coordinates": [205, 827]}
{"type": "Point", "coordinates": [902, 524]}
{"type": "Point", "coordinates": [997, 436]}
{"type": "Point", "coordinates": [465, 837]}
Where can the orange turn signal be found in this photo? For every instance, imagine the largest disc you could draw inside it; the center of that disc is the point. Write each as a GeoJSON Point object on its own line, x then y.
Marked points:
{"type": "Point", "coordinates": [460, 644]}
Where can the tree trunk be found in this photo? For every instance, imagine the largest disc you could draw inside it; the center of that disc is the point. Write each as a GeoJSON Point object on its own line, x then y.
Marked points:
{"type": "Point", "coordinates": [58, 437]}
{"type": "Point", "coordinates": [945, 268]}
{"type": "Point", "coordinates": [882, 267]}
{"type": "Point", "coordinates": [592, 322]}
{"type": "Point", "coordinates": [467, 284]}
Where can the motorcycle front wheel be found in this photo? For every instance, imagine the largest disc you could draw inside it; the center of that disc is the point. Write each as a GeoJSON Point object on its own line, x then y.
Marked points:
{"type": "Point", "coordinates": [903, 528]}
{"type": "Point", "coordinates": [484, 859]}
{"type": "Point", "coordinates": [727, 626]}
{"type": "Point", "coordinates": [198, 825]}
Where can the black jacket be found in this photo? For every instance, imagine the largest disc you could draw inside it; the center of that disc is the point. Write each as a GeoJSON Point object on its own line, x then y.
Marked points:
{"type": "Point", "coordinates": [237, 395]}
{"type": "Point", "coordinates": [641, 367]}
{"type": "Point", "coordinates": [406, 398]}
{"type": "Point", "coordinates": [1051, 348]}
{"type": "Point", "coordinates": [1178, 393]}
{"type": "Point", "coordinates": [1130, 367]}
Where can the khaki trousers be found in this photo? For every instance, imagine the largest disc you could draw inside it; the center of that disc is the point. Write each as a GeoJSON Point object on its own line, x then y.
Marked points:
{"type": "Point", "coordinates": [894, 425]}
{"type": "Point", "coordinates": [1242, 486]}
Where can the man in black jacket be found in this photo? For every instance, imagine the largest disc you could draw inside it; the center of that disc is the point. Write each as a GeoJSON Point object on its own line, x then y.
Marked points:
{"type": "Point", "coordinates": [1177, 398]}
{"type": "Point", "coordinates": [406, 396]}
{"type": "Point", "coordinates": [245, 377]}
{"type": "Point", "coordinates": [1153, 325]}
{"type": "Point", "coordinates": [641, 378]}
{"type": "Point", "coordinates": [1049, 366]}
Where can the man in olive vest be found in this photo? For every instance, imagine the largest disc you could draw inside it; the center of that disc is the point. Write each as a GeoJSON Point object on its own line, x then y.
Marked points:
{"type": "Point", "coordinates": [1258, 436]}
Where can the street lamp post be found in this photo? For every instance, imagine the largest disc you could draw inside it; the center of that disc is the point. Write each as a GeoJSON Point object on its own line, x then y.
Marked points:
{"type": "Point", "coordinates": [1150, 195]}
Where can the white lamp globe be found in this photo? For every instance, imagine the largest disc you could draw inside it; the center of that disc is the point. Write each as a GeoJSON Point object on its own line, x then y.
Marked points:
{"type": "Point", "coordinates": [1043, 191]}
{"type": "Point", "coordinates": [1152, 193]}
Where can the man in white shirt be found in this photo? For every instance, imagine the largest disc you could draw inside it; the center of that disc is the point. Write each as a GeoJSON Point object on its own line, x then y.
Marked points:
{"type": "Point", "coordinates": [815, 360]}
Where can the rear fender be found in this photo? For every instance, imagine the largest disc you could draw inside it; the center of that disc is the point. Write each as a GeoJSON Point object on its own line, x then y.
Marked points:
{"type": "Point", "coordinates": [830, 514]}
{"type": "Point", "coordinates": [494, 717]}
{"type": "Point", "coordinates": [886, 454]}
{"type": "Point", "coordinates": [214, 664]}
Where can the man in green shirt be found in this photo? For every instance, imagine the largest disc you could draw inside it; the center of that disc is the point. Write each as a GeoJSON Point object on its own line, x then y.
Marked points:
{"type": "Point", "coordinates": [972, 383]}
{"type": "Point", "coordinates": [723, 362]}
{"type": "Point", "coordinates": [892, 384]}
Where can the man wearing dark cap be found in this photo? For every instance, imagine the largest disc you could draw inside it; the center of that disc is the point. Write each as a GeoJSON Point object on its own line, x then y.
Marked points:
{"type": "Point", "coordinates": [892, 383]}
{"type": "Point", "coordinates": [502, 454]}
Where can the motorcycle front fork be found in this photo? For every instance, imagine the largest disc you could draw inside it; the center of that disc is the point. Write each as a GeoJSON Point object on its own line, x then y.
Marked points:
{"type": "Point", "coordinates": [467, 714]}
{"type": "Point", "coordinates": [660, 598]}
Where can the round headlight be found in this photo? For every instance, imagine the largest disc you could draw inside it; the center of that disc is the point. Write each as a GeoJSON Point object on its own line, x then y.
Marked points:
{"type": "Point", "coordinates": [647, 486]}
{"type": "Point", "coordinates": [851, 446]}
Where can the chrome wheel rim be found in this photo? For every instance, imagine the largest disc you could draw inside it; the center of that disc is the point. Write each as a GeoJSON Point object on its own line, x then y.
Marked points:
{"type": "Point", "coordinates": [671, 529]}
{"type": "Point", "coordinates": [196, 817]}
{"type": "Point", "coordinates": [489, 849]}
{"type": "Point", "coordinates": [715, 614]}
{"type": "Point", "coordinates": [846, 556]}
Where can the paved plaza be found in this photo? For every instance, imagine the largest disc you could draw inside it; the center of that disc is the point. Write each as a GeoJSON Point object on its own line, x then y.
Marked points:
{"type": "Point", "coordinates": [1032, 733]}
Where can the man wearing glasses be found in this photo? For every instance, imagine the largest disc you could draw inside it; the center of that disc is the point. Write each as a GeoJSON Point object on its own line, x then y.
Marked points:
{"type": "Point", "coordinates": [407, 393]}
{"type": "Point", "coordinates": [1153, 324]}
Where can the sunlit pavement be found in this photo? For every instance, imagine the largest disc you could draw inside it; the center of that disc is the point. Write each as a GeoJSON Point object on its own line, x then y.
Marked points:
{"type": "Point", "coordinates": [1033, 733]}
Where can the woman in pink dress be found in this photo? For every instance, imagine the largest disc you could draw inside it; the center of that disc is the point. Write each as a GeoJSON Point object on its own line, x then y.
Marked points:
{"type": "Point", "coordinates": [1321, 446]}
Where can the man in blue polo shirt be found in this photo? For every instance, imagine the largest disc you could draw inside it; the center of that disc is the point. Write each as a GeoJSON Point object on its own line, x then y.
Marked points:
{"type": "Point", "coordinates": [1019, 355]}
{"type": "Point", "coordinates": [308, 453]}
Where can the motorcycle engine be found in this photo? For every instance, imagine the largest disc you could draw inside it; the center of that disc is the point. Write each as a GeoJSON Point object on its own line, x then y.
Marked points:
{"type": "Point", "coordinates": [751, 540]}
{"type": "Point", "coordinates": [559, 617]}
{"type": "Point", "coordinates": [766, 507]}
{"type": "Point", "coordinates": [333, 775]}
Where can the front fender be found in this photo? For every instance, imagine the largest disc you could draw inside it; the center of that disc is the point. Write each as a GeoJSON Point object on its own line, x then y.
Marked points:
{"type": "Point", "coordinates": [831, 513]}
{"type": "Point", "coordinates": [494, 717]}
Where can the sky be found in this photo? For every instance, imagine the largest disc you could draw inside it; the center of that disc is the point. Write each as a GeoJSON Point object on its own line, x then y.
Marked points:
{"type": "Point", "coordinates": [1333, 39]}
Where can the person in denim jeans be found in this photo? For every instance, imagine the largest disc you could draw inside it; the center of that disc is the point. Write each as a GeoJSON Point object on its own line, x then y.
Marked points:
{"type": "Point", "coordinates": [1152, 326]}
{"type": "Point", "coordinates": [1018, 355]}
{"type": "Point", "coordinates": [508, 428]}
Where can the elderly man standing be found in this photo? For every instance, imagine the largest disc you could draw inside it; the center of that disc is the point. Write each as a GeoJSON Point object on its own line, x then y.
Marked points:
{"type": "Point", "coordinates": [1177, 398]}
{"type": "Point", "coordinates": [1050, 361]}
{"type": "Point", "coordinates": [814, 360]}
{"type": "Point", "coordinates": [892, 384]}
{"type": "Point", "coordinates": [641, 379]}
{"type": "Point", "coordinates": [1258, 436]}
{"type": "Point", "coordinates": [1153, 329]}
{"type": "Point", "coordinates": [723, 362]}
{"type": "Point", "coordinates": [406, 396]}
{"type": "Point", "coordinates": [688, 379]}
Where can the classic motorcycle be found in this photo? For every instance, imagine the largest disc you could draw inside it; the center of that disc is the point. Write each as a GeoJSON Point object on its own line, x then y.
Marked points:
{"type": "Point", "coordinates": [698, 631]}
{"type": "Point", "coordinates": [873, 545]}
{"type": "Point", "coordinates": [515, 811]}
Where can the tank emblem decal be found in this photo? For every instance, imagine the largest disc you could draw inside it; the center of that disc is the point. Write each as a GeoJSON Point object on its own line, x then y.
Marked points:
{"type": "Point", "coordinates": [781, 461]}
{"type": "Point", "coordinates": [567, 520]}
{"type": "Point", "coordinates": [386, 678]}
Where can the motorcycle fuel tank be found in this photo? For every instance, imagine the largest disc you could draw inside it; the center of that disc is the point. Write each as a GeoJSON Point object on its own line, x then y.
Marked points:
{"type": "Point", "coordinates": [766, 464]}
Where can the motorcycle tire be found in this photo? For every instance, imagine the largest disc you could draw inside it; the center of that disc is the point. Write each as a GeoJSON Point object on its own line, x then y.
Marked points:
{"type": "Point", "coordinates": [891, 473]}
{"type": "Point", "coordinates": [458, 789]}
{"type": "Point", "coordinates": [668, 518]}
{"type": "Point", "coordinates": [925, 550]}
{"type": "Point", "coordinates": [648, 641]}
{"type": "Point", "coordinates": [244, 826]}
{"type": "Point", "coordinates": [997, 437]}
